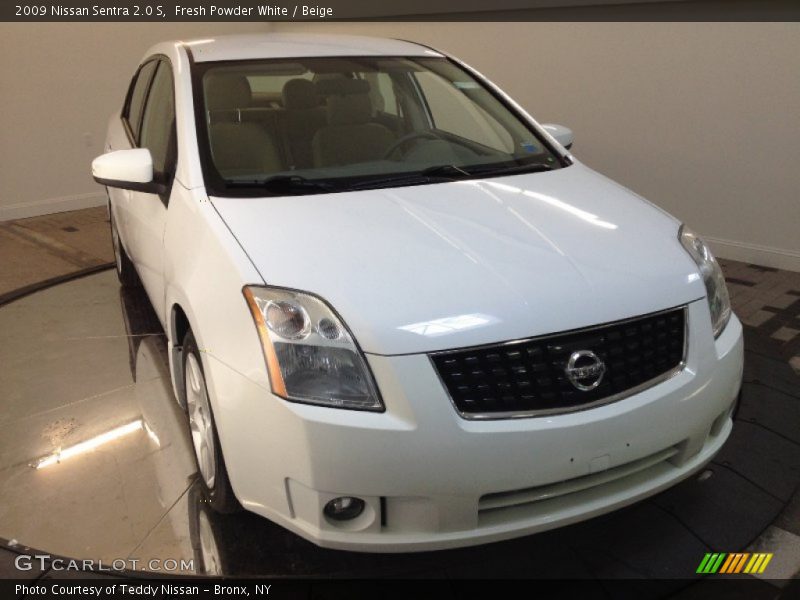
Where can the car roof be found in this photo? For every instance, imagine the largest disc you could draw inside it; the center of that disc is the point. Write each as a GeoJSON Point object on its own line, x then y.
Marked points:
{"type": "Point", "coordinates": [290, 45]}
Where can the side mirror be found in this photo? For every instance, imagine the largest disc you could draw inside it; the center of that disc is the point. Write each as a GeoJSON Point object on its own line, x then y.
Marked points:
{"type": "Point", "coordinates": [126, 169]}
{"type": "Point", "coordinates": [563, 135]}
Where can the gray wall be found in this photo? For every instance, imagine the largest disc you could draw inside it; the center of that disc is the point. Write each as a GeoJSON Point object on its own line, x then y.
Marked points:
{"type": "Point", "coordinates": [60, 83]}
{"type": "Point", "coordinates": [701, 118]}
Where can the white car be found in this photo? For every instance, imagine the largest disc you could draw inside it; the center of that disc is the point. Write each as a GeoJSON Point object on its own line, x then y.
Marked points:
{"type": "Point", "coordinates": [401, 315]}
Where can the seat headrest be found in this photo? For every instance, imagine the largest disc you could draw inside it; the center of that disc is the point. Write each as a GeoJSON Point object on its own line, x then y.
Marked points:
{"type": "Point", "coordinates": [352, 109]}
{"type": "Point", "coordinates": [227, 90]}
{"type": "Point", "coordinates": [299, 94]}
{"type": "Point", "coordinates": [341, 86]}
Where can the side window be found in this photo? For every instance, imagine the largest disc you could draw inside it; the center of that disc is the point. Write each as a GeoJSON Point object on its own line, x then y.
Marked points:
{"type": "Point", "coordinates": [136, 97]}
{"type": "Point", "coordinates": [158, 124]}
{"type": "Point", "coordinates": [453, 111]}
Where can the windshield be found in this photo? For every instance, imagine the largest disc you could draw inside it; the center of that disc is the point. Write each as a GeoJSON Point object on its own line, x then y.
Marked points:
{"type": "Point", "coordinates": [316, 125]}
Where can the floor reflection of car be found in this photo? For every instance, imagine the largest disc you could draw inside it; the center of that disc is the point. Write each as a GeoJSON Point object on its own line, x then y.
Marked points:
{"type": "Point", "coordinates": [399, 313]}
{"type": "Point", "coordinates": [161, 418]}
{"type": "Point", "coordinates": [143, 327]}
{"type": "Point", "coordinates": [244, 545]}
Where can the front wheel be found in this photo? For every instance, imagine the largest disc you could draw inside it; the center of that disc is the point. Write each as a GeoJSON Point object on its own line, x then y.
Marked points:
{"type": "Point", "coordinates": [207, 451]}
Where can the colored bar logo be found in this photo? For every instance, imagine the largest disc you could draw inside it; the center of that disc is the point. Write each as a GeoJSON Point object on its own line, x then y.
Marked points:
{"type": "Point", "coordinates": [735, 562]}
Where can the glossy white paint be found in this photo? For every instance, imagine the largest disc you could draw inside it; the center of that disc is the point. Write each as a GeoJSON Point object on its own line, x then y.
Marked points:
{"type": "Point", "coordinates": [412, 270]}
{"type": "Point", "coordinates": [500, 258]}
{"type": "Point", "coordinates": [133, 165]}
{"type": "Point", "coordinates": [432, 466]}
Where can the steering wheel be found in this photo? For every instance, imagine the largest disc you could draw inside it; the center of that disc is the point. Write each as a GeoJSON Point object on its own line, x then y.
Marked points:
{"type": "Point", "coordinates": [414, 136]}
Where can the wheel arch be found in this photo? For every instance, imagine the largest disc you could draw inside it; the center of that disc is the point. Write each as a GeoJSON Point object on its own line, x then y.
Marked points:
{"type": "Point", "coordinates": [178, 325]}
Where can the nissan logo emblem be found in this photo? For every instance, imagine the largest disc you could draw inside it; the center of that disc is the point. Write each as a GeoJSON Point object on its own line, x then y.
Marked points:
{"type": "Point", "coordinates": [585, 370]}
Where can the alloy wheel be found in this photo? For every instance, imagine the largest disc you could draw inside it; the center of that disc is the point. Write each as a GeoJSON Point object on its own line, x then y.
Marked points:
{"type": "Point", "coordinates": [200, 421]}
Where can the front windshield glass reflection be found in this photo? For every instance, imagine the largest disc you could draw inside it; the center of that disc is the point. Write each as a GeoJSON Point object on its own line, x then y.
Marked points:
{"type": "Point", "coordinates": [331, 124]}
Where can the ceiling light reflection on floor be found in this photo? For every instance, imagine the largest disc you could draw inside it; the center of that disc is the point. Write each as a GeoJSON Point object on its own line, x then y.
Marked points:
{"type": "Point", "coordinates": [90, 444]}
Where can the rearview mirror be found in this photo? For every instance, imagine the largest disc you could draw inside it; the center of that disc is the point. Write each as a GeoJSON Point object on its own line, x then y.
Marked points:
{"type": "Point", "coordinates": [563, 135]}
{"type": "Point", "coordinates": [126, 169]}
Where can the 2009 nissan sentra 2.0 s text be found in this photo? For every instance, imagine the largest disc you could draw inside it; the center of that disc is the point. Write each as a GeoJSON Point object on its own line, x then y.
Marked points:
{"type": "Point", "coordinates": [400, 314]}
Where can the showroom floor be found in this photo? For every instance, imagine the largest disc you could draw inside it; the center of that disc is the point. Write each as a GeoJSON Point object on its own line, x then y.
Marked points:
{"type": "Point", "coordinates": [84, 368]}
{"type": "Point", "coordinates": [41, 248]}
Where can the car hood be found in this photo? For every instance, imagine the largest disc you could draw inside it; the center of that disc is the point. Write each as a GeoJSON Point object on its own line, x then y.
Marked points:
{"type": "Point", "coordinates": [431, 267]}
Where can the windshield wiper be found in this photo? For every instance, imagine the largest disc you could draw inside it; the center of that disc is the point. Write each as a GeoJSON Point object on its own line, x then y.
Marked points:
{"type": "Point", "coordinates": [531, 168]}
{"type": "Point", "coordinates": [434, 174]}
{"type": "Point", "coordinates": [448, 171]}
{"type": "Point", "coordinates": [297, 184]}
{"type": "Point", "coordinates": [440, 173]}
{"type": "Point", "coordinates": [287, 184]}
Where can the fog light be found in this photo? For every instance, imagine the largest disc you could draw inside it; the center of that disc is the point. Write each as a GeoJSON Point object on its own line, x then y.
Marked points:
{"type": "Point", "coordinates": [345, 508]}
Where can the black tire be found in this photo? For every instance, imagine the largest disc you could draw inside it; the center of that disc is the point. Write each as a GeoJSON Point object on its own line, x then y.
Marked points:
{"type": "Point", "coordinates": [219, 494]}
{"type": "Point", "coordinates": [737, 405]}
{"type": "Point", "coordinates": [125, 271]}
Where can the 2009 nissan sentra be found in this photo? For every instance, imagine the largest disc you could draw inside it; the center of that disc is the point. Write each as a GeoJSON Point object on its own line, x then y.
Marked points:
{"type": "Point", "coordinates": [401, 315]}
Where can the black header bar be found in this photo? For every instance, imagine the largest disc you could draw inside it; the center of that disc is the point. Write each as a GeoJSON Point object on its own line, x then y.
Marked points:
{"type": "Point", "coordinates": [401, 10]}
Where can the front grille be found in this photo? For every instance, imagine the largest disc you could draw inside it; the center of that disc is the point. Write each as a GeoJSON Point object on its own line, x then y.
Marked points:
{"type": "Point", "coordinates": [528, 377]}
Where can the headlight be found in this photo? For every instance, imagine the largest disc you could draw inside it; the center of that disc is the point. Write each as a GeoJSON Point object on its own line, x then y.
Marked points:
{"type": "Point", "coordinates": [716, 291]}
{"type": "Point", "coordinates": [311, 356]}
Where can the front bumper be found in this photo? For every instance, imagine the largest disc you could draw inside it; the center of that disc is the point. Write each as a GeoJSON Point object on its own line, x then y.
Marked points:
{"type": "Point", "coordinates": [432, 480]}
